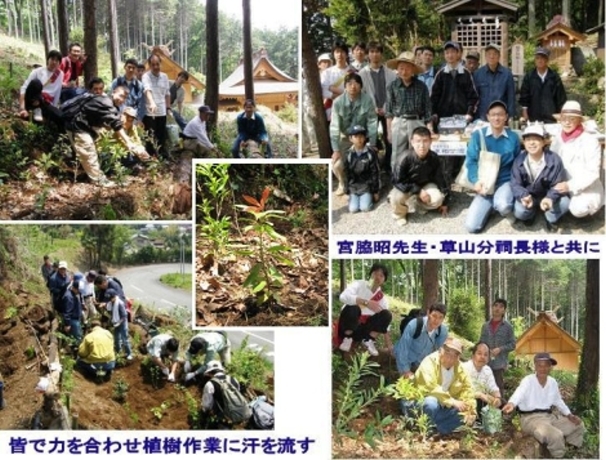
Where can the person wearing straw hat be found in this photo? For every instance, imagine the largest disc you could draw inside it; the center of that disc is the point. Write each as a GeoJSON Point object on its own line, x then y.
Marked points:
{"type": "Point", "coordinates": [534, 174]}
{"type": "Point", "coordinates": [408, 105]}
{"type": "Point", "coordinates": [581, 154]}
{"type": "Point", "coordinates": [542, 93]}
{"type": "Point", "coordinates": [449, 400]}
{"type": "Point", "coordinates": [354, 108]}
{"type": "Point", "coordinates": [499, 139]}
{"type": "Point", "coordinates": [534, 399]}
{"type": "Point", "coordinates": [494, 82]}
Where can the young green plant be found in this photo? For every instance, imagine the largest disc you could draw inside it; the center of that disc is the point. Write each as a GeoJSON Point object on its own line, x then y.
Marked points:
{"type": "Point", "coordinates": [264, 278]}
{"type": "Point", "coordinates": [212, 186]}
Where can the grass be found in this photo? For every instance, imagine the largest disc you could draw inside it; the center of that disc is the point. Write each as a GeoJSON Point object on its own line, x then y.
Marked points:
{"type": "Point", "coordinates": [177, 280]}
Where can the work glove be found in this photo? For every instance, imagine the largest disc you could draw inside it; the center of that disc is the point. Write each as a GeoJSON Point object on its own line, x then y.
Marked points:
{"type": "Point", "coordinates": [171, 377]}
{"type": "Point", "coordinates": [189, 376]}
{"type": "Point", "coordinates": [187, 366]}
{"type": "Point", "coordinates": [165, 371]}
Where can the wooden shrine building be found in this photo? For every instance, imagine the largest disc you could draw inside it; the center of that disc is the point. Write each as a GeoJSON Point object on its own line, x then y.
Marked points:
{"type": "Point", "coordinates": [477, 23]}
{"type": "Point", "coordinates": [545, 335]}
{"type": "Point", "coordinates": [559, 38]}
{"type": "Point", "coordinates": [273, 88]}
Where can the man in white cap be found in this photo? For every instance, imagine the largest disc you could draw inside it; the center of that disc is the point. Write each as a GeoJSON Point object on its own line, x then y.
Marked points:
{"type": "Point", "coordinates": [324, 62]}
{"type": "Point", "coordinates": [534, 174]}
{"type": "Point", "coordinates": [494, 82]}
{"type": "Point", "coordinates": [449, 397]}
{"type": "Point", "coordinates": [534, 398]}
{"type": "Point", "coordinates": [582, 157]}
{"type": "Point", "coordinates": [195, 137]}
{"type": "Point", "coordinates": [58, 282]}
{"type": "Point", "coordinates": [408, 105]}
{"type": "Point", "coordinates": [542, 93]}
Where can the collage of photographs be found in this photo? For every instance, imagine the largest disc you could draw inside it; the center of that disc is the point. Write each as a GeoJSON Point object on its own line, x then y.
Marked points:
{"type": "Point", "coordinates": [343, 229]}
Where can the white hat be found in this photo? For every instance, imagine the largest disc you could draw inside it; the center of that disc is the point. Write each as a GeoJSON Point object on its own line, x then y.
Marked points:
{"type": "Point", "coordinates": [324, 57]}
{"type": "Point", "coordinates": [63, 264]}
{"type": "Point", "coordinates": [534, 129]}
{"type": "Point", "coordinates": [571, 109]}
{"type": "Point", "coordinates": [213, 366]}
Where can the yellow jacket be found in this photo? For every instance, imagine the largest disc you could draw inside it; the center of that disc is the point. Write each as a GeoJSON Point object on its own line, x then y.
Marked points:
{"type": "Point", "coordinates": [97, 347]}
{"type": "Point", "coordinates": [428, 379]}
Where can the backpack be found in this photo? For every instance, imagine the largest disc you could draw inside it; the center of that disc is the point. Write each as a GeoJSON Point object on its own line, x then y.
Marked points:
{"type": "Point", "coordinates": [71, 108]}
{"type": "Point", "coordinates": [230, 401]}
{"type": "Point", "coordinates": [416, 314]}
{"type": "Point", "coordinates": [262, 414]}
{"type": "Point", "coordinates": [116, 280]}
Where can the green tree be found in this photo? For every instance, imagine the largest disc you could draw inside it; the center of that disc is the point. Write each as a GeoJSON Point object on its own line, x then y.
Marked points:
{"type": "Point", "coordinates": [465, 313]}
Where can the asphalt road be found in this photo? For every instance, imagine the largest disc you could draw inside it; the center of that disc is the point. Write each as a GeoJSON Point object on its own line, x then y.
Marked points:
{"type": "Point", "coordinates": [257, 341]}
{"type": "Point", "coordinates": [143, 284]}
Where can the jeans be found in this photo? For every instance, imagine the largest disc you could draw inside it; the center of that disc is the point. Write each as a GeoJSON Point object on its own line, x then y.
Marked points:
{"type": "Point", "coordinates": [360, 202]}
{"type": "Point", "coordinates": [179, 119]}
{"type": "Point", "coordinates": [445, 419]}
{"type": "Point", "coordinates": [560, 207]}
{"type": "Point", "coordinates": [481, 207]}
{"type": "Point", "coordinates": [75, 330]}
{"type": "Point", "coordinates": [235, 148]}
{"type": "Point", "coordinates": [90, 369]}
{"type": "Point", "coordinates": [121, 338]}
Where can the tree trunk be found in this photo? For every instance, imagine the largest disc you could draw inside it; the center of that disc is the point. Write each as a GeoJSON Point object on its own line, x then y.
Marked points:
{"type": "Point", "coordinates": [114, 46]}
{"type": "Point", "coordinates": [62, 26]}
{"type": "Point", "coordinates": [566, 11]}
{"type": "Point", "coordinates": [487, 287]}
{"type": "Point", "coordinates": [314, 91]}
{"type": "Point", "coordinates": [430, 282]}
{"type": "Point", "coordinates": [249, 88]}
{"type": "Point", "coordinates": [587, 384]}
{"type": "Point", "coordinates": [45, 27]}
{"type": "Point", "coordinates": [51, 22]}
{"type": "Point", "coordinates": [90, 39]}
{"type": "Point", "coordinates": [341, 275]}
{"type": "Point", "coordinates": [211, 97]}
{"type": "Point", "coordinates": [531, 18]}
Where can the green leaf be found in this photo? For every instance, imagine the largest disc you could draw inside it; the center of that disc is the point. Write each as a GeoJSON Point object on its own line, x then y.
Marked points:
{"type": "Point", "coordinates": [253, 276]}
{"type": "Point", "coordinates": [259, 287]}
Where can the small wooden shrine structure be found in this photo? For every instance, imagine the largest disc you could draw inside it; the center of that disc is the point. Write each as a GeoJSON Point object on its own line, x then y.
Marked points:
{"type": "Point", "coordinates": [559, 38]}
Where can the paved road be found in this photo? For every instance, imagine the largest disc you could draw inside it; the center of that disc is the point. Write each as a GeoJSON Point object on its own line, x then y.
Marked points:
{"type": "Point", "coordinates": [143, 284]}
{"type": "Point", "coordinates": [257, 341]}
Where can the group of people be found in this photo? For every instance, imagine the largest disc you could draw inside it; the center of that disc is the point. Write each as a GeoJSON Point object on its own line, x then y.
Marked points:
{"type": "Point", "coordinates": [409, 97]}
{"type": "Point", "coordinates": [454, 393]}
{"type": "Point", "coordinates": [55, 92]}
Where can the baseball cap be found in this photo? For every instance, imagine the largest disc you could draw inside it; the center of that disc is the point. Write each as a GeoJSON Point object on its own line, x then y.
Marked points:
{"type": "Point", "coordinates": [452, 44]}
{"type": "Point", "coordinates": [357, 129]}
{"type": "Point", "coordinates": [492, 46]}
{"type": "Point", "coordinates": [534, 130]}
{"type": "Point", "coordinates": [204, 109]}
{"type": "Point", "coordinates": [63, 264]}
{"type": "Point", "coordinates": [473, 55]}
{"type": "Point", "coordinates": [496, 103]}
{"type": "Point", "coordinates": [540, 51]}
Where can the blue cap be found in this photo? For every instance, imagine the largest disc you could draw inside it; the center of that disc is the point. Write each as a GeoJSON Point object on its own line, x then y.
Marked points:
{"type": "Point", "coordinates": [111, 293]}
{"type": "Point", "coordinates": [452, 44]}
{"type": "Point", "coordinates": [357, 129]}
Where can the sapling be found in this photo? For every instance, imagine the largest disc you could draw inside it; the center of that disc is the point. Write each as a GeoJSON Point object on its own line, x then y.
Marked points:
{"type": "Point", "coordinates": [264, 278]}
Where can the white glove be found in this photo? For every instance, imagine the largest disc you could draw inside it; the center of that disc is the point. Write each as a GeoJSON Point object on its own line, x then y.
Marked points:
{"type": "Point", "coordinates": [187, 366]}
{"type": "Point", "coordinates": [165, 371]}
{"type": "Point", "coordinates": [171, 377]}
{"type": "Point", "coordinates": [189, 376]}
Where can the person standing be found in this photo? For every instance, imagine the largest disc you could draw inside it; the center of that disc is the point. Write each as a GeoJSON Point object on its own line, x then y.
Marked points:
{"type": "Point", "coordinates": [359, 54]}
{"type": "Point", "coordinates": [156, 91]}
{"type": "Point", "coordinates": [408, 105]}
{"type": "Point", "coordinates": [134, 85]}
{"type": "Point", "coordinates": [332, 79]}
{"type": "Point", "coordinates": [177, 96]}
{"type": "Point", "coordinates": [542, 93]}
{"type": "Point", "coordinates": [472, 61]}
{"type": "Point", "coordinates": [119, 321]}
{"type": "Point", "coordinates": [57, 284]}
{"type": "Point", "coordinates": [497, 333]}
{"type": "Point", "coordinates": [71, 309]}
{"type": "Point", "coordinates": [376, 77]}
{"type": "Point", "coordinates": [494, 82]}
{"type": "Point", "coordinates": [429, 70]}
{"type": "Point", "coordinates": [364, 314]}
{"type": "Point", "coordinates": [46, 269]}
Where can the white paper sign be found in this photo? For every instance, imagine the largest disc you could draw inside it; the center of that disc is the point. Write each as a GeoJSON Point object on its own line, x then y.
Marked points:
{"type": "Point", "coordinates": [451, 148]}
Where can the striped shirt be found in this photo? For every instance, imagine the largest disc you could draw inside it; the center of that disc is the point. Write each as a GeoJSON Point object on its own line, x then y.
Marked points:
{"type": "Point", "coordinates": [408, 100]}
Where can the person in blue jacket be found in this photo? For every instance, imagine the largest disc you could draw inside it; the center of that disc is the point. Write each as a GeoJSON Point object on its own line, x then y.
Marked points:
{"type": "Point", "coordinates": [251, 127]}
{"type": "Point", "coordinates": [411, 350]}
{"type": "Point", "coordinates": [71, 308]}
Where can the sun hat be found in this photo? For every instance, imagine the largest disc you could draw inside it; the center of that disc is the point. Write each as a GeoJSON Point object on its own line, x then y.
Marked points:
{"type": "Point", "coordinates": [406, 56]}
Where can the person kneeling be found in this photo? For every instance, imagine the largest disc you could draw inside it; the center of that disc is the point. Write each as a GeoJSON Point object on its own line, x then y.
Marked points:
{"type": "Point", "coordinates": [449, 399]}
{"type": "Point", "coordinates": [361, 171]}
{"type": "Point", "coordinates": [418, 179]}
{"type": "Point", "coordinates": [96, 357]}
{"type": "Point", "coordinates": [534, 175]}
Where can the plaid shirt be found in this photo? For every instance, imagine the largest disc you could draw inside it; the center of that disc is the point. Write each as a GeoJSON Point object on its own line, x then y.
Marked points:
{"type": "Point", "coordinates": [408, 100]}
{"type": "Point", "coordinates": [347, 113]}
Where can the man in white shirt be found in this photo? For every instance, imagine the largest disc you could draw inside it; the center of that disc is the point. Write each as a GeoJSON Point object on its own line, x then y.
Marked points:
{"type": "Point", "coordinates": [41, 92]}
{"type": "Point", "coordinates": [156, 89]}
{"type": "Point", "coordinates": [333, 78]}
{"type": "Point", "coordinates": [195, 137]}
{"type": "Point", "coordinates": [534, 397]}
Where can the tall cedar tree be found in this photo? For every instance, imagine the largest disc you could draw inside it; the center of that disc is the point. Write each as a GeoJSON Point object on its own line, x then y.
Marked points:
{"type": "Point", "coordinates": [430, 282]}
{"type": "Point", "coordinates": [249, 88]}
{"type": "Point", "coordinates": [211, 97]}
{"type": "Point", "coordinates": [90, 39]}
